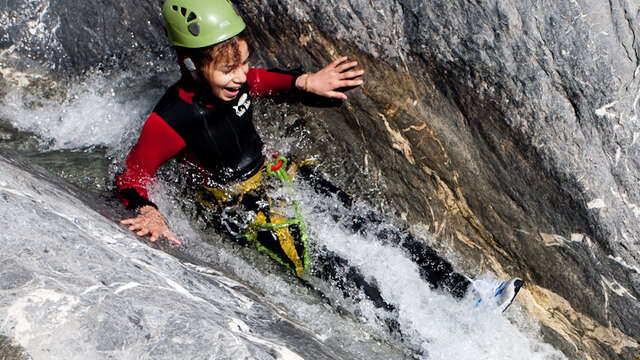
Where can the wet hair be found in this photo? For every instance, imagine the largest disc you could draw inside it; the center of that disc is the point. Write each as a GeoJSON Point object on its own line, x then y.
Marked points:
{"type": "Point", "coordinates": [226, 51]}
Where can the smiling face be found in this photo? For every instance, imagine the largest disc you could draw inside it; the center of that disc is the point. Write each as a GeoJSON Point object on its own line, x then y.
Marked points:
{"type": "Point", "coordinates": [228, 70]}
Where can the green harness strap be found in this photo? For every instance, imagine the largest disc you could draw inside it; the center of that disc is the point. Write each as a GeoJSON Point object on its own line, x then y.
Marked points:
{"type": "Point", "coordinates": [277, 168]}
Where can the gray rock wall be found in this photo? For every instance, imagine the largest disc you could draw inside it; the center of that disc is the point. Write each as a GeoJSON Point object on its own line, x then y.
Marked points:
{"type": "Point", "coordinates": [75, 36]}
{"type": "Point", "coordinates": [514, 128]}
{"type": "Point", "coordinates": [11, 351]}
{"type": "Point", "coordinates": [507, 128]}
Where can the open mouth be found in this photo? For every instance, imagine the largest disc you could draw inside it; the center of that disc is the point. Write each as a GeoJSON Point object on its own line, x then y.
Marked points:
{"type": "Point", "coordinates": [231, 91]}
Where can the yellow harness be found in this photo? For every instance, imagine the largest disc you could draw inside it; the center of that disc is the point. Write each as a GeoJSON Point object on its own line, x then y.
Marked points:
{"type": "Point", "coordinates": [291, 252]}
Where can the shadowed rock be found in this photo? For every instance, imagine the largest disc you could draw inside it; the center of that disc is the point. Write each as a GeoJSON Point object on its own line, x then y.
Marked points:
{"type": "Point", "coordinates": [11, 351]}
{"type": "Point", "coordinates": [508, 128]}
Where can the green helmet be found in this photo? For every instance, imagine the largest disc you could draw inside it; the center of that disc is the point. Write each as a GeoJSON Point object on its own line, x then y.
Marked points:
{"type": "Point", "coordinates": [200, 23]}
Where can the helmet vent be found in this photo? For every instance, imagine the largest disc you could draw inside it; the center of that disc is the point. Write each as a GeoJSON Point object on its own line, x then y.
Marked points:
{"type": "Point", "coordinates": [191, 17]}
{"type": "Point", "coordinates": [175, 8]}
{"type": "Point", "coordinates": [194, 28]}
{"type": "Point", "coordinates": [183, 11]}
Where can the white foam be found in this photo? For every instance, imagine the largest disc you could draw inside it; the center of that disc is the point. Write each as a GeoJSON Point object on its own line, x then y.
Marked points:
{"type": "Point", "coordinates": [24, 325]}
{"type": "Point", "coordinates": [442, 326]}
{"type": "Point", "coordinates": [96, 112]}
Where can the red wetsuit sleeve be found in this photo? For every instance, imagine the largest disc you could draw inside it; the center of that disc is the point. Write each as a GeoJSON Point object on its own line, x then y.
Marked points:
{"type": "Point", "coordinates": [158, 143]}
{"type": "Point", "coordinates": [263, 82]}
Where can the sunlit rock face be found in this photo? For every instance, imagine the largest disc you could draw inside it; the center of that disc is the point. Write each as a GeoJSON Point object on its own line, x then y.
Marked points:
{"type": "Point", "coordinates": [508, 129]}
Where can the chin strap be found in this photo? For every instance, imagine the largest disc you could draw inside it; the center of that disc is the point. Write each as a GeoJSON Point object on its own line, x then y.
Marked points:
{"type": "Point", "coordinates": [196, 74]}
{"type": "Point", "coordinates": [188, 63]}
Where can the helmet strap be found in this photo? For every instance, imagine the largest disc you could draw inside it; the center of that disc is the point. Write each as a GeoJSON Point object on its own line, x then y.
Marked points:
{"type": "Point", "coordinates": [197, 79]}
{"type": "Point", "coordinates": [196, 76]}
{"type": "Point", "coordinates": [188, 63]}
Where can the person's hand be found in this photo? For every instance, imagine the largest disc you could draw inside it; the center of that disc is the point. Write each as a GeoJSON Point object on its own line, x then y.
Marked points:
{"type": "Point", "coordinates": [338, 74]}
{"type": "Point", "coordinates": [150, 221]}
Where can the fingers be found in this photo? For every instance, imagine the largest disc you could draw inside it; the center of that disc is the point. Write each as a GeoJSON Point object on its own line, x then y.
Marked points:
{"type": "Point", "coordinates": [150, 222]}
{"type": "Point", "coordinates": [346, 66]}
{"type": "Point", "coordinates": [142, 232]}
{"type": "Point", "coordinates": [172, 237]}
{"type": "Point", "coordinates": [349, 83]}
{"type": "Point", "coordinates": [351, 74]}
{"type": "Point", "coordinates": [337, 61]}
{"type": "Point", "coordinates": [136, 224]}
{"type": "Point", "coordinates": [139, 228]}
{"type": "Point", "coordinates": [336, 95]}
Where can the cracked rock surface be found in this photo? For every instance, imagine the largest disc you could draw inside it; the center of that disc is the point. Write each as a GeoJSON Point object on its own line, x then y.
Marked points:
{"type": "Point", "coordinates": [514, 126]}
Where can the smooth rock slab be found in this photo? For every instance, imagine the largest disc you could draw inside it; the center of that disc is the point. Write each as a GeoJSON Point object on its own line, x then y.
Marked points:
{"type": "Point", "coordinates": [75, 285]}
{"type": "Point", "coordinates": [506, 120]}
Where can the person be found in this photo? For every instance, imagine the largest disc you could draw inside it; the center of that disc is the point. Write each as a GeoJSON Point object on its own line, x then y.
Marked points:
{"type": "Point", "coordinates": [205, 120]}
{"type": "Point", "coordinates": [206, 117]}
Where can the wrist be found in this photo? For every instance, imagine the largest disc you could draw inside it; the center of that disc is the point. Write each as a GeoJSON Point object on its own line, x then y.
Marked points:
{"type": "Point", "coordinates": [147, 208]}
{"type": "Point", "coordinates": [302, 82]}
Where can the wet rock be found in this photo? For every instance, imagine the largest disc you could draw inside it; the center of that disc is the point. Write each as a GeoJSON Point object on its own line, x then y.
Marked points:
{"type": "Point", "coordinates": [507, 128]}
{"type": "Point", "coordinates": [76, 36]}
{"type": "Point", "coordinates": [514, 128]}
{"type": "Point", "coordinates": [12, 275]}
{"type": "Point", "coordinates": [10, 351]}
{"type": "Point", "coordinates": [93, 291]}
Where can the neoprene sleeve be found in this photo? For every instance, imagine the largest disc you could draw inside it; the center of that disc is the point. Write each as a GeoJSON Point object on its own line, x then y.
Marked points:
{"type": "Point", "coordinates": [159, 142]}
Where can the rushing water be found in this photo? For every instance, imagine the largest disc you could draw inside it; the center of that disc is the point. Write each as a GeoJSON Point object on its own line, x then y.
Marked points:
{"type": "Point", "coordinates": [75, 284]}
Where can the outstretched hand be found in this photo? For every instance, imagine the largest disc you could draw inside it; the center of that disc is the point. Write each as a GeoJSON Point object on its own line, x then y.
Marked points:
{"type": "Point", "coordinates": [338, 74]}
{"type": "Point", "coordinates": [150, 222]}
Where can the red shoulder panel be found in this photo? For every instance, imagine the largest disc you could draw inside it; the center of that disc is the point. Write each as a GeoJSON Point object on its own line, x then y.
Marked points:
{"type": "Point", "coordinates": [158, 143]}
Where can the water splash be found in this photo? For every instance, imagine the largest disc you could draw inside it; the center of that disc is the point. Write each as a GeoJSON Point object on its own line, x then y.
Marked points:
{"type": "Point", "coordinates": [108, 112]}
{"type": "Point", "coordinates": [436, 323]}
{"type": "Point", "coordinates": [96, 111]}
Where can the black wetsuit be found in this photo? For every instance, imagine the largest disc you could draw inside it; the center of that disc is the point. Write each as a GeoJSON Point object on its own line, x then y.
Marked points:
{"type": "Point", "coordinates": [217, 136]}
{"type": "Point", "coordinates": [220, 138]}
